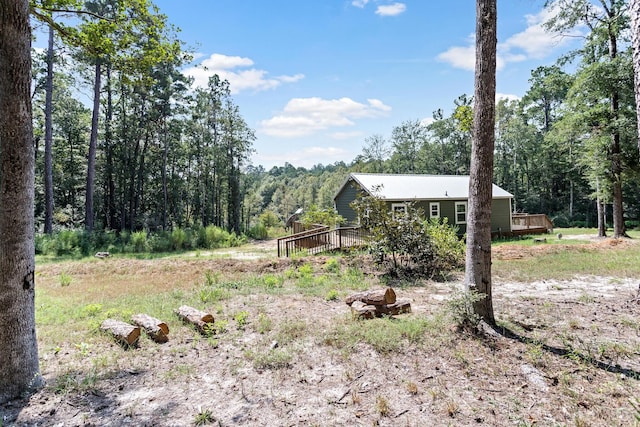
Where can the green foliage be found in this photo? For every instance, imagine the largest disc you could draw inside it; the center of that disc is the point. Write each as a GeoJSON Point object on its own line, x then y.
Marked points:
{"type": "Point", "coordinates": [178, 238]}
{"type": "Point", "coordinates": [241, 318]}
{"type": "Point", "coordinates": [269, 219]}
{"type": "Point", "coordinates": [139, 241]}
{"type": "Point", "coordinates": [460, 308]}
{"type": "Point", "coordinates": [328, 217]}
{"type": "Point", "coordinates": [332, 266]}
{"type": "Point", "coordinates": [65, 279]}
{"type": "Point", "coordinates": [404, 243]}
{"type": "Point", "coordinates": [258, 232]}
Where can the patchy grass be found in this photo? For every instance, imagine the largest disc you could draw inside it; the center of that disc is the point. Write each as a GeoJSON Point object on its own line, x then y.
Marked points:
{"type": "Point", "coordinates": [285, 349]}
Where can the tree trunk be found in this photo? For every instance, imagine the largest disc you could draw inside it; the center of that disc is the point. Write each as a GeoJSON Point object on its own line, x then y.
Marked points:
{"type": "Point", "coordinates": [616, 152]}
{"type": "Point", "coordinates": [19, 350]}
{"type": "Point", "coordinates": [478, 262]}
{"type": "Point", "coordinates": [91, 157]}
{"type": "Point", "coordinates": [634, 11]}
{"type": "Point", "coordinates": [48, 140]}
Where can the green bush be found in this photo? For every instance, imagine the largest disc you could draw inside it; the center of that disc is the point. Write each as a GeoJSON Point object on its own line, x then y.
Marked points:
{"type": "Point", "coordinates": [269, 219]}
{"type": "Point", "coordinates": [405, 244]}
{"type": "Point", "coordinates": [139, 241]}
{"type": "Point", "coordinates": [178, 238]}
{"type": "Point", "coordinates": [258, 232]}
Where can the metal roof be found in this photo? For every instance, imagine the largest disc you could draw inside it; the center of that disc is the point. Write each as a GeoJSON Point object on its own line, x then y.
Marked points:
{"type": "Point", "coordinates": [419, 187]}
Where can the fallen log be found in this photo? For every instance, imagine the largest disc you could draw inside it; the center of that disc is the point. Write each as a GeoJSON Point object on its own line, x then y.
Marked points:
{"type": "Point", "coordinates": [199, 319]}
{"type": "Point", "coordinates": [399, 307]}
{"type": "Point", "coordinates": [123, 332]}
{"type": "Point", "coordinates": [360, 310]}
{"type": "Point", "coordinates": [156, 329]}
{"type": "Point", "coordinates": [375, 297]}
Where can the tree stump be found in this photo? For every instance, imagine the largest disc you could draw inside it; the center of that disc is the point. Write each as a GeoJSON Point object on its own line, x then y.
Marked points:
{"type": "Point", "coordinates": [156, 329]}
{"type": "Point", "coordinates": [197, 318]}
{"type": "Point", "coordinates": [375, 297]}
{"type": "Point", "coordinates": [123, 332]}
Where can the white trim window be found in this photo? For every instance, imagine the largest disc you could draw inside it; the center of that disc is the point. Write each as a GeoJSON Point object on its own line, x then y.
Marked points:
{"type": "Point", "coordinates": [398, 208]}
{"type": "Point", "coordinates": [461, 212]}
{"type": "Point", "coordinates": [434, 210]}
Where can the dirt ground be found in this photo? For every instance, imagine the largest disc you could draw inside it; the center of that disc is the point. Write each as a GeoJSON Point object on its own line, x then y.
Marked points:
{"type": "Point", "coordinates": [570, 357]}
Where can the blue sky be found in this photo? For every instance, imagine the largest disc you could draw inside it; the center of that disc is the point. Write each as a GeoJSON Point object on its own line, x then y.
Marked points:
{"type": "Point", "coordinates": [315, 78]}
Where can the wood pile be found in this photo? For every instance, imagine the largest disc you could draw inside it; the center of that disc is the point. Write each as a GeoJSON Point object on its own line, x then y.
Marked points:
{"type": "Point", "coordinates": [377, 303]}
{"type": "Point", "coordinates": [201, 320]}
{"type": "Point", "coordinates": [123, 332]}
{"type": "Point", "coordinates": [155, 329]}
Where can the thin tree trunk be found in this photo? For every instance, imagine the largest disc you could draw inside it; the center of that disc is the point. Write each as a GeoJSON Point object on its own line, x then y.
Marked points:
{"type": "Point", "coordinates": [91, 158]}
{"type": "Point", "coordinates": [478, 262]}
{"type": "Point", "coordinates": [616, 154]}
{"type": "Point", "coordinates": [48, 140]}
{"type": "Point", "coordinates": [634, 11]}
{"type": "Point", "coordinates": [19, 348]}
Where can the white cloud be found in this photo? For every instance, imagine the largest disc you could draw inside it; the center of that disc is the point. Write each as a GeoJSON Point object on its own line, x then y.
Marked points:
{"type": "Point", "coordinates": [394, 9]}
{"type": "Point", "coordinates": [532, 43]}
{"type": "Point", "coordinates": [360, 3]}
{"type": "Point", "coordinates": [236, 70]}
{"type": "Point", "coordinates": [507, 96]}
{"type": "Point", "coordinates": [305, 116]}
{"type": "Point", "coordinates": [307, 157]}
{"type": "Point", "coordinates": [460, 57]}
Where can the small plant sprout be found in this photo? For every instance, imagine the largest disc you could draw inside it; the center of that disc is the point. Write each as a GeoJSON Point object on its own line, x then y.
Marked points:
{"type": "Point", "coordinates": [204, 417]}
{"type": "Point", "coordinates": [65, 279]}
{"type": "Point", "coordinates": [241, 319]}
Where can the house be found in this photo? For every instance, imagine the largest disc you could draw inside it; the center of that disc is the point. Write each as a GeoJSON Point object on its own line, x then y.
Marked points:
{"type": "Point", "coordinates": [439, 196]}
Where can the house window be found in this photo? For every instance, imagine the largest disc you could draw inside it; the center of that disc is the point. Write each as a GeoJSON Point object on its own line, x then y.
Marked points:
{"type": "Point", "coordinates": [398, 209]}
{"type": "Point", "coordinates": [461, 212]}
{"type": "Point", "coordinates": [434, 210]}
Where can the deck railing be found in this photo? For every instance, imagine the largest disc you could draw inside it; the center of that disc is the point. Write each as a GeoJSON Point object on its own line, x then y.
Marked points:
{"type": "Point", "coordinates": [526, 221]}
{"type": "Point", "coordinates": [321, 240]}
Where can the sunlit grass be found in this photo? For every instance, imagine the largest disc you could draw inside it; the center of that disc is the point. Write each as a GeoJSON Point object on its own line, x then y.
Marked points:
{"type": "Point", "coordinates": [567, 263]}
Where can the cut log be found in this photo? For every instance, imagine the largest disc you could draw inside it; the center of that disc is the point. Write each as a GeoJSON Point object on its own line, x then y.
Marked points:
{"type": "Point", "coordinates": [375, 297]}
{"type": "Point", "coordinates": [156, 329]}
{"type": "Point", "coordinates": [399, 307]}
{"type": "Point", "coordinates": [361, 310]}
{"type": "Point", "coordinates": [123, 332]}
{"type": "Point", "coordinates": [198, 318]}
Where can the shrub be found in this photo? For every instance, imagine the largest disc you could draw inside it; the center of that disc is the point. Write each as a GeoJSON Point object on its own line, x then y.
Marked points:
{"type": "Point", "coordinates": [269, 219]}
{"type": "Point", "coordinates": [405, 244]}
{"type": "Point", "coordinates": [139, 241]}
{"type": "Point", "coordinates": [258, 232]}
{"type": "Point", "coordinates": [178, 238]}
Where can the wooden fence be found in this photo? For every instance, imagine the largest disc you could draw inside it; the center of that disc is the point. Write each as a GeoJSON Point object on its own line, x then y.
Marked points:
{"type": "Point", "coordinates": [321, 240]}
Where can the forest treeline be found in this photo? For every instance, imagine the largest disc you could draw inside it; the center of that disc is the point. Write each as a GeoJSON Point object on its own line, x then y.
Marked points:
{"type": "Point", "coordinates": [155, 153]}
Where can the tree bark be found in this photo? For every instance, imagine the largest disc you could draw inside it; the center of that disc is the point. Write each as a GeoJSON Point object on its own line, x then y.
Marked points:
{"type": "Point", "coordinates": [156, 329]}
{"type": "Point", "coordinates": [19, 350]}
{"type": "Point", "coordinates": [478, 261]}
{"type": "Point", "coordinates": [48, 140]}
{"type": "Point", "coordinates": [197, 318]}
{"type": "Point", "coordinates": [123, 332]}
{"type": "Point", "coordinates": [91, 157]}
{"type": "Point", "coordinates": [634, 12]}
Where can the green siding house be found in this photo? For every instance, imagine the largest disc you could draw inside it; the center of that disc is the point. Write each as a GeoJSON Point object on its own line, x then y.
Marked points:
{"type": "Point", "coordinates": [439, 196]}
